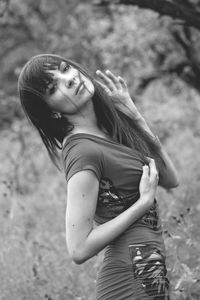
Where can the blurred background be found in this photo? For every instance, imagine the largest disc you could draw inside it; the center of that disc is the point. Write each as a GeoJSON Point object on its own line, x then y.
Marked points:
{"type": "Point", "coordinates": [159, 57]}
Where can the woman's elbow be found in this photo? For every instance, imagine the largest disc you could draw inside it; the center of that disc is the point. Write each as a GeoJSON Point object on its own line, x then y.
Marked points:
{"type": "Point", "coordinates": [78, 257]}
{"type": "Point", "coordinates": [78, 260]}
{"type": "Point", "coordinates": [174, 181]}
{"type": "Point", "coordinates": [170, 183]}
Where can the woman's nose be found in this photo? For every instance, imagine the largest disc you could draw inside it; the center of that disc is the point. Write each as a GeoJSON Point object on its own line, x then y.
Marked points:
{"type": "Point", "coordinates": [70, 82]}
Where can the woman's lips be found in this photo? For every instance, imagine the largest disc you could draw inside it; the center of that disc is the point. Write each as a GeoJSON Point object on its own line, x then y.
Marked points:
{"type": "Point", "coordinates": [79, 87]}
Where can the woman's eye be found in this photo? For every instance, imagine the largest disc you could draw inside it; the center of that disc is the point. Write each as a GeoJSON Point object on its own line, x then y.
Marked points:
{"type": "Point", "coordinates": [64, 66]}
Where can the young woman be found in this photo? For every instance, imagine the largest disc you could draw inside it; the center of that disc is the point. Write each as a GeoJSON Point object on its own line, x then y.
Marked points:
{"type": "Point", "coordinates": [111, 161]}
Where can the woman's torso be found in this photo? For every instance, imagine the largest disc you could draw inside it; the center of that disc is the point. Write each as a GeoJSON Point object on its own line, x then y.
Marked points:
{"type": "Point", "coordinates": [133, 267]}
{"type": "Point", "coordinates": [121, 170]}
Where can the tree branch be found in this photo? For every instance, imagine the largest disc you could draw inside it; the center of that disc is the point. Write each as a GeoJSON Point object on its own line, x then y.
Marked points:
{"type": "Point", "coordinates": [183, 37]}
{"type": "Point", "coordinates": [182, 10]}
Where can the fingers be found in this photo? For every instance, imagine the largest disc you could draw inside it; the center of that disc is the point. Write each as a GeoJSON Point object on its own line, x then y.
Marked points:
{"type": "Point", "coordinates": [106, 89]}
{"type": "Point", "coordinates": [145, 174]}
{"type": "Point", "coordinates": [122, 81]}
{"type": "Point", "coordinates": [153, 173]}
{"type": "Point", "coordinates": [111, 80]}
{"type": "Point", "coordinates": [114, 79]}
{"type": "Point", "coordinates": [106, 80]}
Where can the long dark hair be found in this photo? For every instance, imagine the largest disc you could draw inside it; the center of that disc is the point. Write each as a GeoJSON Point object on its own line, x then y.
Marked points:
{"type": "Point", "coordinates": [32, 84]}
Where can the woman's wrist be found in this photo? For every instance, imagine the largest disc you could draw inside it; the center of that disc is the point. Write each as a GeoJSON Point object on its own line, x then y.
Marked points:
{"type": "Point", "coordinates": [141, 121]}
{"type": "Point", "coordinates": [135, 114]}
{"type": "Point", "coordinates": [157, 141]}
{"type": "Point", "coordinates": [146, 201]}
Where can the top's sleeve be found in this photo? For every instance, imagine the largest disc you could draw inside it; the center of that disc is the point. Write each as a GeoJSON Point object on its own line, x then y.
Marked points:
{"type": "Point", "coordinates": [82, 155]}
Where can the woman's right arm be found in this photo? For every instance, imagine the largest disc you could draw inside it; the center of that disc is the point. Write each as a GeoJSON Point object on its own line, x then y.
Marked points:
{"type": "Point", "coordinates": [83, 240]}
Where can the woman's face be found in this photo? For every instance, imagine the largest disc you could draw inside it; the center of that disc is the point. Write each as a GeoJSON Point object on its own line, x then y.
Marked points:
{"type": "Point", "coordinates": [69, 91]}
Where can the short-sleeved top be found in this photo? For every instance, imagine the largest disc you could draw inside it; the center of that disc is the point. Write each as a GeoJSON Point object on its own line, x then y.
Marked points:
{"type": "Point", "coordinates": [118, 169]}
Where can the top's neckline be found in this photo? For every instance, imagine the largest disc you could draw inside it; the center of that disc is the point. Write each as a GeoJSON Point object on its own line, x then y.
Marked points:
{"type": "Point", "coordinates": [82, 134]}
{"type": "Point", "coordinates": [89, 135]}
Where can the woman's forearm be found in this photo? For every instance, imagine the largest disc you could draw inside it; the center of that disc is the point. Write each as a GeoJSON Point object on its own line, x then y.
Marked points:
{"type": "Point", "coordinates": [102, 235]}
{"type": "Point", "coordinates": [167, 171]}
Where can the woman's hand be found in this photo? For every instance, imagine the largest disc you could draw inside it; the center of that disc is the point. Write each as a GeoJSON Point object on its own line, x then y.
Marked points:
{"type": "Point", "coordinates": [148, 183]}
{"type": "Point", "coordinates": [116, 88]}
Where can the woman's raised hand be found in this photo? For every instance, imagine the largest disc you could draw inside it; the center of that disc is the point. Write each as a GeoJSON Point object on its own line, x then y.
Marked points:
{"type": "Point", "coordinates": [148, 183]}
{"type": "Point", "coordinates": [116, 88]}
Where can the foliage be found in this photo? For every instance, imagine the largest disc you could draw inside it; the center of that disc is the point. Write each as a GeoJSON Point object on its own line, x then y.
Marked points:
{"type": "Point", "coordinates": [157, 58]}
{"type": "Point", "coordinates": [186, 12]}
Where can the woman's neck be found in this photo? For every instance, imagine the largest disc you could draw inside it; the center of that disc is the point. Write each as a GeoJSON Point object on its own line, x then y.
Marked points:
{"type": "Point", "coordinates": [85, 130]}
{"type": "Point", "coordinates": [86, 122]}
{"type": "Point", "coordinates": [94, 130]}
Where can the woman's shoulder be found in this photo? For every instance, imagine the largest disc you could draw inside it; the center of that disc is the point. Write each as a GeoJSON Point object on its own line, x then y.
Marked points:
{"type": "Point", "coordinates": [80, 145]}
{"type": "Point", "coordinates": [79, 154]}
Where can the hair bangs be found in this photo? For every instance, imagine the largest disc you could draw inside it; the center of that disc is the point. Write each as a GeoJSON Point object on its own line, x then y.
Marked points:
{"type": "Point", "coordinates": [35, 75]}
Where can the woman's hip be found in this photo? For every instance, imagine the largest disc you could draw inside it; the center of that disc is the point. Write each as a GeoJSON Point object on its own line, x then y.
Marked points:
{"type": "Point", "coordinates": [133, 271]}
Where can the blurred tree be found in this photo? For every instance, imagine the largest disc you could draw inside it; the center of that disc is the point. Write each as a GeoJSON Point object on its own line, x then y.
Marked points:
{"type": "Point", "coordinates": [185, 66]}
{"type": "Point", "coordinates": [188, 11]}
{"type": "Point", "coordinates": [159, 58]}
{"type": "Point", "coordinates": [185, 62]}
{"type": "Point", "coordinates": [3, 7]}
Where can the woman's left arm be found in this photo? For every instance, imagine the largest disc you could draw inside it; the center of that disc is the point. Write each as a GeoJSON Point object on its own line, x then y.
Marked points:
{"type": "Point", "coordinates": [117, 89]}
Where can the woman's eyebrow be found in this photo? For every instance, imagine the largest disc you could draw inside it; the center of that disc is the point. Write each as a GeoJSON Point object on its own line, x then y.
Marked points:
{"type": "Point", "coordinates": [51, 66]}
